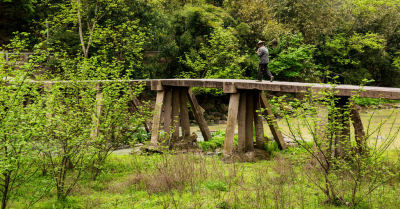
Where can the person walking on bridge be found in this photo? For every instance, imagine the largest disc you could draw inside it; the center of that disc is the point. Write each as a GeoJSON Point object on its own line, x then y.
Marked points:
{"type": "Point", "coordinates": [263, 53]}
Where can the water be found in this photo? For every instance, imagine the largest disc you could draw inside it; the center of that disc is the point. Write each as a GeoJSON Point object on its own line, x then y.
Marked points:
{"type": "Point", "coordinates": [372, 120]}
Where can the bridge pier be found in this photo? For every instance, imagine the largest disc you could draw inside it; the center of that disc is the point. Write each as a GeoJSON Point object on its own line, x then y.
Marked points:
{"type": "Point", "coordinates": [244, 107]}
{"type": "Point", "coordinates": [348, 114]}
{"type": "Point", "coordinates": [172, 106]}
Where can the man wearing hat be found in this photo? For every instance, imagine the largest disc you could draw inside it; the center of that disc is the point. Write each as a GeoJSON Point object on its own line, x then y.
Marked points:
{"type": "Point", "coordinates": [263, 53]}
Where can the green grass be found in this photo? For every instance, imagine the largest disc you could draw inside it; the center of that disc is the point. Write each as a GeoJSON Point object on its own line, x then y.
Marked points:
{"type": "Point", "coordinates": [195, 181]}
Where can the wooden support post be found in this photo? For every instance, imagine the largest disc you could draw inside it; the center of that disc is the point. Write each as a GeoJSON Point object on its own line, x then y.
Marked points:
{"type": "Point", "coordinates": [47, 88]}
{"type": "Point", "coordinates": [175, 113]}
{"type": "Point", "coordinates": [358, 128]}
{"type": "Point", "coordinates": [98, 112]}
{"type": "Point", "coordinates": [185, 123]}
{"type": "Point", "coordinates": [242, 122]}
{"type": "Point", "coordinates": [258, 122]}
{"type": "Point", "coordinates": [198, 114]}
{"type": "Point", "coordinates": [231, 123]}
{"type": "Point", "coordinates": [342, 120]}
{"type": "Point", "coordinates": [157, 116]}
{"type": "Point", "coordinates": [168, 111]}
{"type": "Point", "coordinates": [273, 125]}
{"type": "Point", "coordinates": [137, 107]}
{"type": "Point", "coordinates": [249, 122]}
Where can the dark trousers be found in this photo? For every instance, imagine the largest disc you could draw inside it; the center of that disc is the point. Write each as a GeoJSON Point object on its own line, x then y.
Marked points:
{"type": "Point", "coordinates": [263, 69]}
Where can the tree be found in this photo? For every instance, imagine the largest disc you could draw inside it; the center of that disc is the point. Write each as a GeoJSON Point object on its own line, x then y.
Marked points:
{"type": "Point", "coordinates": [219, 58]}
{"type": "Point", "coordinates": [314, 19]}
{"type": "Point", "coordinates": [106, 32]}
{"type": "Point", "coordinates": [115, 123]}
{"type": "Point", "coordinates": [357, 57]}
{"type": "Point", "coordinates": [346, 166]}
{"type": "Point", "coordinates": [19, 121]}
{"type": "Point", "coordinates": [260, 18]}
{"type": "Point", "coordinates": [294, 60]}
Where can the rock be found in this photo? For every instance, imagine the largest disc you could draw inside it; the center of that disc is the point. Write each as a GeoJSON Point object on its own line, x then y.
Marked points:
{"type": "Point", "coordinates": [249, 155]}
{"type": "Point", "coordinates": [290, 142]}
{"type": "Point", "coordinates": [150, 149]}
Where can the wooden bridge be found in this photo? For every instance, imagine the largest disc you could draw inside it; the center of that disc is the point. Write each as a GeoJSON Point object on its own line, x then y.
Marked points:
{"type": "Point", "coordinates": [246, 97]}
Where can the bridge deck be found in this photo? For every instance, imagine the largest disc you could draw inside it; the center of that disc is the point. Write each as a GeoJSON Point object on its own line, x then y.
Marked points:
{"type": "Point", "coordinates": [291, 87]}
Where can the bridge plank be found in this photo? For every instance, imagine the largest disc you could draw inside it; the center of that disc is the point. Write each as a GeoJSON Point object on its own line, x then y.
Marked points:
{"type": "Point", "coordinates": [290, 87]}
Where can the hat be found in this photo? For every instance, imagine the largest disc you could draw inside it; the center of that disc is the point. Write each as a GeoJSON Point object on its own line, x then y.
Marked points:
{"type": "Point", "coordinates": [260, 42]}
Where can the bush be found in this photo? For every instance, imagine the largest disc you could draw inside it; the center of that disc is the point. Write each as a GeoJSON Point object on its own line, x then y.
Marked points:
{"type": "Point", "coordinates": [217, 141]}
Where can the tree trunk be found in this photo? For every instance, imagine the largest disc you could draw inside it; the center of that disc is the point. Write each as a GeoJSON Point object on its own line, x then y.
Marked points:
{"type": "Point", "coordinates": [5, 190]}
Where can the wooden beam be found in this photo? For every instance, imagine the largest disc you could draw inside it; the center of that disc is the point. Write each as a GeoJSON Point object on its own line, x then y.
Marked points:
{"type": "Point", "coordinates": [242, 122]}
{"type": "Point", "coordinates": [137, 104]}
{"type": "Point", "coordinates": [279, 86]}
{"type": "Point", "coordinates": [249, 122]}
{"type": "Point", "coordinates": [258, 122]}
{"type": "Point", "coordinates": [168, 111]}
{"type": "Point", "coordinates": [273, 125]}
{"type": "Point", "coordinates": [175, 113]}
{"type": "Point", "coordinates": [198, 114]}
{"type": "Point", "coordinates": [358, 128]}
{"type": "Point", "coordinates": [156, 85]}
{"type": "Point", "coordinates": [342, 139]}
{"type": "Point", "coordinates": [185, 123]}
{"type": "Point", "coordinates": [156, 118]}
{"type": "Point", "coordinates": [98, 111]}
{"type": "Point", "coordinates": [231, 123]}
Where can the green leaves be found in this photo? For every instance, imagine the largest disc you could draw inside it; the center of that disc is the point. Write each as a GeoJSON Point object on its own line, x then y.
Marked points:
{"type": "Point", "coordinates": [355, 57]}
{"type": "Point", "coordinates": [219, 58]}
{"type": "Point", "coordinates": [294, 60]}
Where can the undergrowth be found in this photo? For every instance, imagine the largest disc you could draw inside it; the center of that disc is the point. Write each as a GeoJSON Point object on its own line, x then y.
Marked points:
{"type": "Point", "coordinates": [195, 181]}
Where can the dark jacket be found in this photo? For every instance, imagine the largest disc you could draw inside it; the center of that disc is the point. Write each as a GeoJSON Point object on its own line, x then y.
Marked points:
{"type": "Point", "coordinates": [263, 53]}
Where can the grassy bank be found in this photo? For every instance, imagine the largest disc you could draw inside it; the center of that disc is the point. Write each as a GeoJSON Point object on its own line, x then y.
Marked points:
{"type": "Point", "coordinates": [197, 181]}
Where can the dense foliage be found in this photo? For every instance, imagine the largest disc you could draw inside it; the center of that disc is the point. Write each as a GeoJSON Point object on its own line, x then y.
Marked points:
{"type": "Point", "coordinates": [353, 39]}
